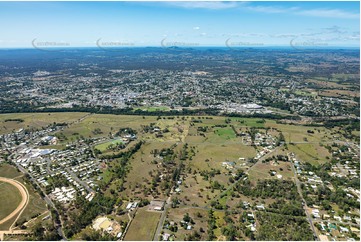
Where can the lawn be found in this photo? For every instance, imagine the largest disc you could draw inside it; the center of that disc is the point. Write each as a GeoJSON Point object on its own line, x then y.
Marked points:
{"type": "Point", "coordinates": [10, 198]}
{"type": "Point", "coordinates": [143, 226]}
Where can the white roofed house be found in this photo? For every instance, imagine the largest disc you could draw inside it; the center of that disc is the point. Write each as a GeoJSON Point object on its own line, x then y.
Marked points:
{"type": "Point", "coordinates": [260, 207]}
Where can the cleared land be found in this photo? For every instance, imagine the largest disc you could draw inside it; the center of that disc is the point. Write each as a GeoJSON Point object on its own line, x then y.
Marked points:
{"type": "Point", "coordinates": [143, 226]}
{"type": "Point", "coordinates": [35, 120]}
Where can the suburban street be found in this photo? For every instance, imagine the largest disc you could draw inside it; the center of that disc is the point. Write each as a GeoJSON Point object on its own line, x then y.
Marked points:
{"type": "Point", "coordinates": [305, 208]}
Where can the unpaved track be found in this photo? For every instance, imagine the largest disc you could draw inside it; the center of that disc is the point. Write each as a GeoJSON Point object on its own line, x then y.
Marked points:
{"type": "Point", "coordinates": [24, 201]}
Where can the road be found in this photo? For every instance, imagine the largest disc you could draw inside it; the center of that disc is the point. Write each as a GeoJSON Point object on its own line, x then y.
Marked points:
{"type": "Point", "coordinates": [305, 207]}
{"type": "Point", "coordinates": [162, 218]}
{"type": "Point", "coordinates": [46, 199]}
{"type": "Point", "coordinates": [76, 178]}
{"type": "Point", "coordinates": [24, 201]}
{"type": "Point", "coordinates": [336, 222]}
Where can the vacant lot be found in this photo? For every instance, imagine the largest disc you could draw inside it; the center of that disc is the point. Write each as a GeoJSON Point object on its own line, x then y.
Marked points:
{"type": "Point", "coordinates": [261, 171]}
{"type": "Point", "coordinates": [143, 226]}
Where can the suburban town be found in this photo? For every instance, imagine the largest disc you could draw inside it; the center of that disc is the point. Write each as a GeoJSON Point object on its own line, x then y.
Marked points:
{"type": "Point", "coordinates": [180, 121]}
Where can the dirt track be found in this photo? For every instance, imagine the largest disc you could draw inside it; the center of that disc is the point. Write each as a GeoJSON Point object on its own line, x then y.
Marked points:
{"type": "Point", "coordinates": [25, 199]}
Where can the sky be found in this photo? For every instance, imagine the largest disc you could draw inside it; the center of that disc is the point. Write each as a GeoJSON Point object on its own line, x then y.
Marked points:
{"type": "Point", "coordinates": [183, 24]}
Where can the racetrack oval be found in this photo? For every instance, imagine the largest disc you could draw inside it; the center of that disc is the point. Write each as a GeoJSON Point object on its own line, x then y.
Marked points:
{"type": "Point", "coordinates": [21, 189]}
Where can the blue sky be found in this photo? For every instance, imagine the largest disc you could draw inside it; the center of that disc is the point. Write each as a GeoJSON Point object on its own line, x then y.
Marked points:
{"type": "Point", "coordinates": [53, 24]}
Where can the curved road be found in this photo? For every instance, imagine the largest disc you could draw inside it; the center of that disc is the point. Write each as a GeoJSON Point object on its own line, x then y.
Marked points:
{"type": "Point", "coordinates": [24, 202]}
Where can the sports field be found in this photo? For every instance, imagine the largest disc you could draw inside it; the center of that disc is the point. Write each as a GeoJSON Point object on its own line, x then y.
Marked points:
{"type": "Point", "coordinates": [143, 226]}
{"type": "Point", "coordinates": [10, 199]}
{"type": "Point", "coordinates": [104, 146]}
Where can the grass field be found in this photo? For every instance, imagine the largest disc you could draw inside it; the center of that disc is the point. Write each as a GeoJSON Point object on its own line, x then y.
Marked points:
{"type": "Point", "coordinates": [261, 171]}
{"type": "Point", "coordinates": [36, 205]}
{"type": "Point", "coordinates": [225, 133]}
{"type": "Point", "coordinates": [219, 215]}
{"type": "Point", "coordinates": [143, 226]}
{"type": "Point", "coordinates": [9, 171]}
{"type": "Point", "coordinates": [312, 153]}
{"type": "Point", "coordinates": [153, 109]}
{"type": "Point", "coordinates": [10, 198]}
{"type": "Point", "coordinates": [104, 146]}
{"type": "Point", "coordinates": [35, 120]}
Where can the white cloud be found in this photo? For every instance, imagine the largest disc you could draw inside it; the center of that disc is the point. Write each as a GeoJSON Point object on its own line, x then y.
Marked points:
{"type": "Point", "coordinates": [284, 35]}
{"type": "Point", "coordinates": [205, 5]}
{"type": "Point", "coordinates": [325, 13]}
{"type": "Point", "coordinates": [328, 13]}
{"type": "Point", "coordinates": [270, 9]}
{"type": "Point", "coordinates": [196, 28]}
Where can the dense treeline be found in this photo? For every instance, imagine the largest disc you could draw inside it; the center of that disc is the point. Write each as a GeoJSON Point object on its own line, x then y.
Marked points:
{"type": "Point", "coordinates": [85, 212]}
{"type": "Point", "coordinates": [293, 208]}
{"type": "Point", "coordinates": [352, 124]}
{"type": "Point", "coordinates": [283, 227]}
{"type": "Point", "coordinates": [131, 111]}
{"type": "Point", "coordinates": [269, 189]}
{"type": "Point", "coordinates": [264, 115]}
{"type": "Point", "coordinates": [14, 120]}
{"type": "Point", "coordinates": [125, 154]}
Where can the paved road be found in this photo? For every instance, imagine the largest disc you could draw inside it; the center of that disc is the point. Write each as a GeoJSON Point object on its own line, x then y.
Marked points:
{"type": "Point", "coordinates": [76, 178]}
{"type": "Point", "coordinates": [24, 201]}
{"type": "Point", "coordinates": [162, 219]}
{"type": "Point", "coordinates": [305, 208]}
{"type": "Point", "coordinates": [46, 198]}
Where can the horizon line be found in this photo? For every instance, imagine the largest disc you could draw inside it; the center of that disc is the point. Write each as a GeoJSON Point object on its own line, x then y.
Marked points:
{"type": "Point", "coordinates": [186, 47]}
